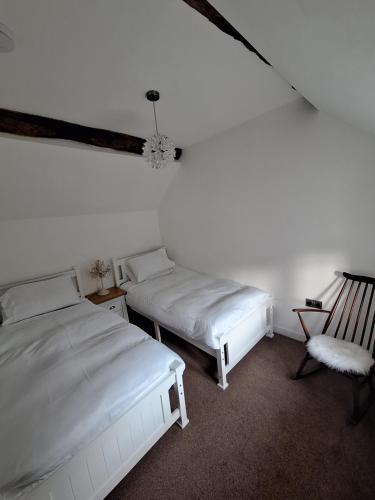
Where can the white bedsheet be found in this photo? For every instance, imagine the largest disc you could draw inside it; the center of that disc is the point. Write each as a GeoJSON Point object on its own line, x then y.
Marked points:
{"type": "Point", "coordinates": [65, 377]}
{"type": "Point", "coordinates": [200, 306]}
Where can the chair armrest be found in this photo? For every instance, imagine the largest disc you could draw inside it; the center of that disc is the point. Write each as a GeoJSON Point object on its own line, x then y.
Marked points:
{"type": "Point", "coordinates": [303, 324]}
{"type": "Point", "coordinates": [310, 309]}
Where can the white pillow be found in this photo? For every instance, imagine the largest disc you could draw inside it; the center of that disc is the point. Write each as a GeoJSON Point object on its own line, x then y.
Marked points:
{"type": "Point", "coordinates": [149, 265]}
{"type": "Point", "coordinates": [129, 272]}
{"type": "Point", "coordinates": [25, 301]}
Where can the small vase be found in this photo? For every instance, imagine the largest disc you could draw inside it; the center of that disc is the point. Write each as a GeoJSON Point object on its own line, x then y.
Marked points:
{"type": "Point", "coordinates": [103, 291]}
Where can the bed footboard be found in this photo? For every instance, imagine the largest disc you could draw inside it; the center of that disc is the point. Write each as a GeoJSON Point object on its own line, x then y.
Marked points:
{"type": "Point", "coordinates": [235, 344]}
{"type": "Point", "coordinates": [241, 339]}
{"type": "Point", "coordinates": [99, 467]}
{"type": "Point", "coordinates": [221, 360]}
{"type": "Point", "coordinates": [269, 313]}
{"type": "Point", "coordinates": [180, 393]}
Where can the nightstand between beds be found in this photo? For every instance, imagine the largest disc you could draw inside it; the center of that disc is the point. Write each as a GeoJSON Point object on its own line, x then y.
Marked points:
{"type": "Point", "coordinates": [114, 301]}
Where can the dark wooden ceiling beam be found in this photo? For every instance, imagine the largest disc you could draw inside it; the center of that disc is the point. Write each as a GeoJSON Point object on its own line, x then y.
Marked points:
{"type": "Point", "coordinates": [209, 12]}
{"type": "Point", "coordinates": [28, 125]}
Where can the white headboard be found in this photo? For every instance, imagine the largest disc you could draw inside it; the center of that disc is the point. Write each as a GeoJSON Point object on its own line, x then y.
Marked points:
{"type": "Point", "coordinates": [119, 271]}
{"type": "Point", "coordinates": [119, 267]}
{"type": "Point", "coordinates": [74, 273]}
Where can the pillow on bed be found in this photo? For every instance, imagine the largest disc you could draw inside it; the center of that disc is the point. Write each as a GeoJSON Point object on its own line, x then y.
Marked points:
{"type": "Point", "coordinates": [25, 301]}
{"type": "Point", "coordinates": [149, 265]}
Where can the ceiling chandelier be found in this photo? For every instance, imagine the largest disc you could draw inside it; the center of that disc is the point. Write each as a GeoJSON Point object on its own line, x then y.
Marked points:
{"type": "Point", "coordinates": [158, 150]}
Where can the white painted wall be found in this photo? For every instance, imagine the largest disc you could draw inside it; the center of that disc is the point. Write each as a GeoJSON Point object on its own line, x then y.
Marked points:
{"type": "Point", "coordinates": [281, 202]}
{"type": "Point", "coordinates": [62, 205]}
{"type": "Point", "coordinates": [59, 178]}
{"type": "Point", "coordinates": [33, 247]}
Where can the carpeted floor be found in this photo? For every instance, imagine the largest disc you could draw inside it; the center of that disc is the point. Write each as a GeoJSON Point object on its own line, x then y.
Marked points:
{"type": "Point", "coordinates": [265, 437]}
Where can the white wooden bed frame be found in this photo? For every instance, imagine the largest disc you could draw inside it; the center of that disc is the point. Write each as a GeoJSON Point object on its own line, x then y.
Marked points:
{"type": "Point", "coordinates": [234, 345]}
{"type": "Point", "coordinates": [98, 467]}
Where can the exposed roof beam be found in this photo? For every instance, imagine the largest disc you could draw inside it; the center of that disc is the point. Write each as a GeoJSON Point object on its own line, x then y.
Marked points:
{"type": "Point", "coordinates": [25, 124]}
{"type": "Point", "coordinates": [208, 11]}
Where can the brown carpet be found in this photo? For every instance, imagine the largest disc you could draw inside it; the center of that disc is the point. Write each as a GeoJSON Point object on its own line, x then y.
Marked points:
{"type": "Point", "coordinates": [265, 437]}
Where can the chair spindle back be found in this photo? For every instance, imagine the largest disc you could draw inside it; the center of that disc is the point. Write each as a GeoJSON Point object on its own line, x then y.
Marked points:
{"type": "Point", "coordinates": [352, 316]}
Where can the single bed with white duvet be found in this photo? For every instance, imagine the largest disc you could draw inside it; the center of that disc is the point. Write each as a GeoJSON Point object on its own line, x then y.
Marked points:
{"type": "Point", "coordinates": [222, 317]}
{"type": "Point", "coordinates": [67, 376]}
{"type": "Point", "coordinates": [204, 308]}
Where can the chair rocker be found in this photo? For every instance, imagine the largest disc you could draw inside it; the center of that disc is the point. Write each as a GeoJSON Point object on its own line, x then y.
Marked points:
{"type": "Point", "coordinates": [346, 343]}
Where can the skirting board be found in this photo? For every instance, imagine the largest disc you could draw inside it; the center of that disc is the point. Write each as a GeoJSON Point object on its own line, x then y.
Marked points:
{"type": "Point", "coordinates": [289, 333]}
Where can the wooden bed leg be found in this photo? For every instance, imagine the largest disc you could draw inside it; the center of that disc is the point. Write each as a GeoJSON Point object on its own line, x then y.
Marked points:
{"type": "Point", "coordinates": [269, 313]}
{"type": "Point", "coordinates": [179, 390]}
{"type": "Point", "coordinates": [220, 359]}
{"type": "Point", "coordinates": [157, 331]}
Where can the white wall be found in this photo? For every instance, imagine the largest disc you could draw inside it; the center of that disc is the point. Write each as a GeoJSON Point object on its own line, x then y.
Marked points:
{"type": "Point", "coordinates": [281, 202]}
{"type": "Point", "coordinates": [58, 178]}
{"type": "Point", "coordinates": [62, 205]}
{"type": "Point", "coordinates": [33, 247]}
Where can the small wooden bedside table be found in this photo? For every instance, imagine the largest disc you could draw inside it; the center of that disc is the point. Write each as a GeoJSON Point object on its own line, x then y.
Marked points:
{"type": "Point", "coordinates": [114, 301]}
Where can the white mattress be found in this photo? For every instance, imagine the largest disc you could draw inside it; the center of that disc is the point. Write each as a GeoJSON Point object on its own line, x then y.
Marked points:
{"type": "Point", "coordinates": [200, 306]}
{"type": "Point", "coordinates": [65, 377]}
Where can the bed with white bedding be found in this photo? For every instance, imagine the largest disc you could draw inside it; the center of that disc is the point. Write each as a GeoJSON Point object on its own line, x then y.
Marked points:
{"type": "Point", "coordinates": [84, 395]}
{"type": "Point", "coordinates": [221, 317]}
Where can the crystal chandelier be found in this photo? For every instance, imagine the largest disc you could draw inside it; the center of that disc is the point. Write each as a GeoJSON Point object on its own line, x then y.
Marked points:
{"type": "Point", "coordinates": [158, 150]}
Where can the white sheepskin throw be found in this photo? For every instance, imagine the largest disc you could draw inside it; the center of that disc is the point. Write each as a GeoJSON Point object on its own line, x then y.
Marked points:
{"type": "Point", "coordinates": [340, 355]}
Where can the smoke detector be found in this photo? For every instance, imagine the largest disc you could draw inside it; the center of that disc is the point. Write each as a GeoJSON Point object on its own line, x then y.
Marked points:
{"type": "Point", "coordinates": [6, 39]}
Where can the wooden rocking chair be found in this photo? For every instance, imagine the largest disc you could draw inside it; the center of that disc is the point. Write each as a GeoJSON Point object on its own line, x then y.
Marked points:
{"type": "Point", "coordinates": [346, 343]}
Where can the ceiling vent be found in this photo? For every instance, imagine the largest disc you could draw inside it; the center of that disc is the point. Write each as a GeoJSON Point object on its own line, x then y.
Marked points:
{"type": "Point", "coordinates": [6, 39]}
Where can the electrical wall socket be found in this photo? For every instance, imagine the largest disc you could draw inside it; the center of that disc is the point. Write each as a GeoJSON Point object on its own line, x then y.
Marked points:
{"type": "Point", "coordinates": [317, 304]}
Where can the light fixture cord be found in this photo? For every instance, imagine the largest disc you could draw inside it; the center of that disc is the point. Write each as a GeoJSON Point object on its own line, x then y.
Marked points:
{"type": "Point", "coordinates": [156, 123]}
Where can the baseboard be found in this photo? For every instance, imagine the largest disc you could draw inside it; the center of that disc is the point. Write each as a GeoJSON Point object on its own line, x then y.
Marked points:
{"type": "Point", "coordinates": [289, 333]}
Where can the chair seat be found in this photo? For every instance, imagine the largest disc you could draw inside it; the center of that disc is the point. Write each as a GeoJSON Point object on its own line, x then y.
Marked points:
{"type": "Point", "coordinates": [340, 355]}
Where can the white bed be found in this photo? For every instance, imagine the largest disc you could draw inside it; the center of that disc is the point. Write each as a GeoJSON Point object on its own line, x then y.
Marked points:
{"type": "Point", "coordinates": [221, 317]}
{"type": "Point", "coordinates": [84, 396]}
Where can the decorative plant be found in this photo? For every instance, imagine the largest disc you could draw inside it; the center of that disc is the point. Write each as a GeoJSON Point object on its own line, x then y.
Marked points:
{"type": "Point", "coordinates": [100, 270]}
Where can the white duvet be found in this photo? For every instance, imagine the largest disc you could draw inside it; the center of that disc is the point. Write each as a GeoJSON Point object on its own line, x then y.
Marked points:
{"type": "Point", "coordinates": [202, 307]}
{"type": "Point", "coordinates": [65, 377]}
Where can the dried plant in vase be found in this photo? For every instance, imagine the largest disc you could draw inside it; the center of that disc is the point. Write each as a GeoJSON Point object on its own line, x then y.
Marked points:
{"type": "Point", "coordinates": [100, 270]}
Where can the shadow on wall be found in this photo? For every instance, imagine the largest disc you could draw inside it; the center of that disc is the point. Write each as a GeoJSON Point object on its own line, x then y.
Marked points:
{"type": "Point", "coordinates": [292, 279]}
{"type": "Point", "coordinates": [316, 275]}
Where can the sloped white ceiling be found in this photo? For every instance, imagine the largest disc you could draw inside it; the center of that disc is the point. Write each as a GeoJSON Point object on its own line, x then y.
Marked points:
{"type": "Point", "coordinates": [91, 61]}
{"type": "Point", "coordinates": [53, 180]}
{"type": "Point", "coordinates": [326, 48]}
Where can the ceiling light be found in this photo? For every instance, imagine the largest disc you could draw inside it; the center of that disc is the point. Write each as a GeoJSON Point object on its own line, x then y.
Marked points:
{"type": "Point", "coordinates": [158, 150]}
